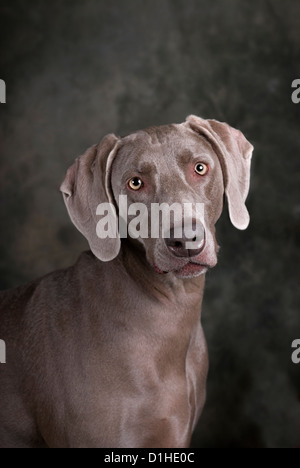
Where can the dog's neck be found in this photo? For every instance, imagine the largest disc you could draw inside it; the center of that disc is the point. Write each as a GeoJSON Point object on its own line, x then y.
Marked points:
{"type": "Point", "coordinates": [188, 292]}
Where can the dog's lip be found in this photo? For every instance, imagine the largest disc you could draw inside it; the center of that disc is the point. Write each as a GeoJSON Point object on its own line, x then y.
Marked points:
{"type": "Point", "coordinates": [188, 264]}
{"type": "Point", "coordinates": [192, 267]}
{"type": "Point", "coordinates": [203, 265]}
{"type": "Point", "coordinates": [159, 271]}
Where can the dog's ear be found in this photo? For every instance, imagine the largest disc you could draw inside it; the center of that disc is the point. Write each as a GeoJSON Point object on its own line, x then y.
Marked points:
{"type": "Point", "coordinates": [88, 184]}
{"type": "Point", "coordinates": [234, 152]}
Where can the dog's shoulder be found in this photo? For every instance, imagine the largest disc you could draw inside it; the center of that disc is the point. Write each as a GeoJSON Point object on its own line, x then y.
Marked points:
{"type": "Point", "coordinates": [38, 294]}
{"type": "Point", "coordinates": [61, 290]}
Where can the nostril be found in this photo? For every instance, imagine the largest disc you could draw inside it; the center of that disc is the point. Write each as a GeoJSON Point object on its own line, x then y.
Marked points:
{"type": "Point", "coordinates": [174, 243]}
{"type": "Point", "coordinates": [177, 247]}
{"type": "Point", "coordinates": [189, 244]}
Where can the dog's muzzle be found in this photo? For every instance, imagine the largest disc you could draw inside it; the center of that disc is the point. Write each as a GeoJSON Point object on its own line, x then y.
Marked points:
{"type": "Point", "coordinates": [186, 241]}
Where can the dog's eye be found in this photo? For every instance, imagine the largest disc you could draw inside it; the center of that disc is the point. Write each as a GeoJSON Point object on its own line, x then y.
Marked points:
{"type": "Point", "coordinates": [201, 169]}
{"type": "Point", "coordinates": [135, 184]}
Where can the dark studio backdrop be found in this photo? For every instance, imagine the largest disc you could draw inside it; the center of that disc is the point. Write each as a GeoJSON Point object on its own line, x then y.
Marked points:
{"type": "Point", "coordinates": [76, 70]}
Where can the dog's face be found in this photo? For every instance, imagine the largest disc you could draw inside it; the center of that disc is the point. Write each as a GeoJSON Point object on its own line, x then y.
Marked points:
{"type": "Point", "coordinates": [185, 168]}
{"type": "Point", "coordinates": [172, 165]}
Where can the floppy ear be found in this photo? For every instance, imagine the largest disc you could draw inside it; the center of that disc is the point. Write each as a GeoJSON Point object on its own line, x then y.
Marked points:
{"type": "Point", "coordinates": [234, 153]}
{"type": "Point", "coordinates": [86, 185]}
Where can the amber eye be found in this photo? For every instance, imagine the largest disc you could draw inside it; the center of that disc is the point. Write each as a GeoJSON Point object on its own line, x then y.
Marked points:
{"type": "Point", "coordinates": [201, 169]}
{"type": "Point", "coordinates": [135, 184]}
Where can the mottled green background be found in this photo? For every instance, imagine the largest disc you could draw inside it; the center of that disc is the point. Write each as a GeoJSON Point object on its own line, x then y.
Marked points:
{"type": "Point", "coordinates": [76, 70]}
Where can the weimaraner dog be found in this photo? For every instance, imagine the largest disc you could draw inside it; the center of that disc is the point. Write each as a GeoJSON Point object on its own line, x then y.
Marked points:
{"type": "Point", "coordinates": [111, 352]}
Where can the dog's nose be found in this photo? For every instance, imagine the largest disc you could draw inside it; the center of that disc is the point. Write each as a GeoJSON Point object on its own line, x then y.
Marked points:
{"type": "Point", "coordinates": [190, 243]}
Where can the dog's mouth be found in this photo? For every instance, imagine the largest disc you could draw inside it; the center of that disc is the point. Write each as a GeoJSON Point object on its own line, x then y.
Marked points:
{"type": "Point", "coordinates": [191, 269]}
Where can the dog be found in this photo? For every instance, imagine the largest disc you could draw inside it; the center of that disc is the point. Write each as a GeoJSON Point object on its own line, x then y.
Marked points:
{"type": "Point", "coordinates": [111, 352]}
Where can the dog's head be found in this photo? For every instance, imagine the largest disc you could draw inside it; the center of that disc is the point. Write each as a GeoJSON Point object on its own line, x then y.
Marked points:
{"type": "Point", "coordinates": [165, 185]}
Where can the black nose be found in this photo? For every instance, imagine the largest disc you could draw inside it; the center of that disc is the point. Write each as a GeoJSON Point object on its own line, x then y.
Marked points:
{"type": "Point", "coordinates": [190, 242]}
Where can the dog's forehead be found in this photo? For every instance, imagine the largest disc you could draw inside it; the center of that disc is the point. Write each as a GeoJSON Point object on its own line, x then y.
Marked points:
{"type": "Point", "coordinates": [166, 143]}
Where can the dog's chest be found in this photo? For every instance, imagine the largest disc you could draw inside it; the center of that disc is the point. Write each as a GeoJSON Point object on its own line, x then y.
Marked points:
{"type": "Point", "coordinates": [155, 398]}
